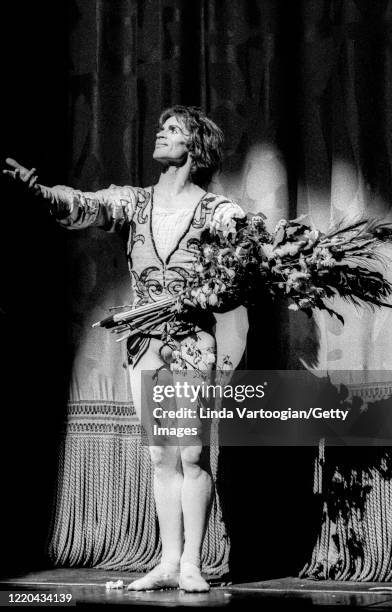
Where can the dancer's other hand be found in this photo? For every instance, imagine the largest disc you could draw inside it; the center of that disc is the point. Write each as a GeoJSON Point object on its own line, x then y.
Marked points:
{"type": "Point", "coordinates": [20, 174]}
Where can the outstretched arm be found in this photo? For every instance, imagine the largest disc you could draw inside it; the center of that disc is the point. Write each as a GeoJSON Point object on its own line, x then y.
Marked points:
{"type": "Point", "coordinates": [74, 209]}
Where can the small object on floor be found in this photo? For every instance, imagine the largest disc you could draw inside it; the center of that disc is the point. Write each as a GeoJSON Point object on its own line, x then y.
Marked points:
{"type": "Point", "coordinates": [118, 584]}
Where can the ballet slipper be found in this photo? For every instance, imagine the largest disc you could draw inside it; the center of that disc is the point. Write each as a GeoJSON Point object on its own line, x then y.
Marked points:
{"type": "Point", "coordinates": [163, 576]}
{"type": "Point", "coordinates": [191, 579]}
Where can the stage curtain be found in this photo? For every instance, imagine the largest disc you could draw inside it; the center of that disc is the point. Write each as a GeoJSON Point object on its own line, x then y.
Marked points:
{"type": "Point", "coordinates": [303, 93]}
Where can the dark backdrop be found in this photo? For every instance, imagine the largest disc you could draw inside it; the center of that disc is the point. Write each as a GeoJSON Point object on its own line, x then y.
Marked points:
{"type": "Point", "coordinates": [34, 65]}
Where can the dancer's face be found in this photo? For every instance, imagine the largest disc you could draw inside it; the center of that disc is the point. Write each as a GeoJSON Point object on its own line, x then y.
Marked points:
{"type": "Point", "coordinates": [171, 144]}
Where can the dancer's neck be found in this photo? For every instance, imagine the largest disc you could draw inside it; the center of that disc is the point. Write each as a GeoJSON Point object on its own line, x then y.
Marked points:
{"type": "Point", "coordinates": [175, 182]}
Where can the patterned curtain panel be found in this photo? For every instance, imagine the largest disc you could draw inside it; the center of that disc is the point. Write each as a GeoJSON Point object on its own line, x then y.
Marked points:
{"type": "Point", "coordinates": [303, 93]}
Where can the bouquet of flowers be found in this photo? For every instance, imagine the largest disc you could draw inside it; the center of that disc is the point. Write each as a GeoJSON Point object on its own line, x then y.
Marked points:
{"type": "Point", "coordinates": [303, 265]}
{"type": "Point", "coordinates": [295, 262]}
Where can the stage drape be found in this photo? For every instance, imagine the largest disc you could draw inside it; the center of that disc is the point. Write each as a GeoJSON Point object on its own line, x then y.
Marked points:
{"type": "Point", "coordinates": [303, 93]}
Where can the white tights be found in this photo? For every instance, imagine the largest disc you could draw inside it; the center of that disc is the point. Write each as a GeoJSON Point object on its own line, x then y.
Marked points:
{"type": "Point", "coordinates": [182, 491]}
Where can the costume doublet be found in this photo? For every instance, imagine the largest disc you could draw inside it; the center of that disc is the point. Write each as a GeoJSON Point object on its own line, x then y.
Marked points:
{"type": "Point", "coordinates": [162, 244]}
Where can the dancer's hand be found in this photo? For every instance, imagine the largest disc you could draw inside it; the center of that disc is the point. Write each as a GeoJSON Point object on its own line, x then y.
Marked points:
{"type": "Point", "coordinates": [20, 174]}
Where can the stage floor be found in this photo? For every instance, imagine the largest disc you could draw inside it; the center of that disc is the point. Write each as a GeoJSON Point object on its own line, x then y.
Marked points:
{"type": "Point", "coordinates": [87, 587]}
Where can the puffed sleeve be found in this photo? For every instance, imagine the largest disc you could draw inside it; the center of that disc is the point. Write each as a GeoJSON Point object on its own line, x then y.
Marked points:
{"type": "Point", "coordinates": [108, 208]}
{"type": "Point", "coordinates": [224, 214]}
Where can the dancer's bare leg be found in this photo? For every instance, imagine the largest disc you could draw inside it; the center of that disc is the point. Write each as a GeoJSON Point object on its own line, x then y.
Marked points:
{"type": "Point", "coordinates": [196, 492]}
{"type": "Point", "coordinates": [196, 498]}
{"type": "Point", "coordinates": [167, 493]}
{"type": "Point", "coordinates": [168, 480]}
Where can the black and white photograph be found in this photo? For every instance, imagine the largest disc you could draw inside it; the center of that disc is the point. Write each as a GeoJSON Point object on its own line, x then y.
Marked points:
{"type": "Point", "coordinates": [195, 304]}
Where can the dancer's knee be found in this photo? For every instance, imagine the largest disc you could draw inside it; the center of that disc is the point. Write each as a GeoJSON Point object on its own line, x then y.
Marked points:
{"type": "Point", "coordinates": [164, 460]}
{"type": "Point", "coordinates": [191, 459]}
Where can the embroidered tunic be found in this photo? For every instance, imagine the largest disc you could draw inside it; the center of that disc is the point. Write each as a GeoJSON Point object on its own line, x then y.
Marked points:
{"type": "Point", "coordinates": [156, 272]}
{"type": "Point", "coordinates": [154, 276]}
